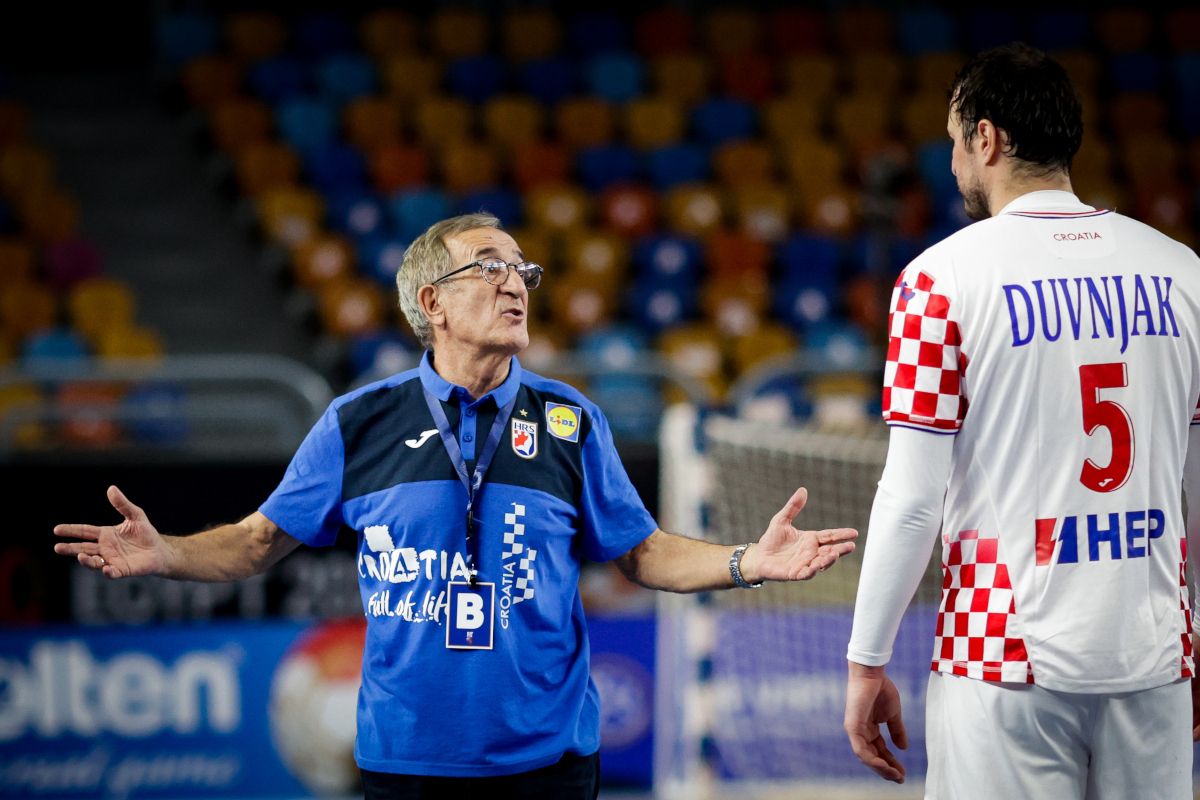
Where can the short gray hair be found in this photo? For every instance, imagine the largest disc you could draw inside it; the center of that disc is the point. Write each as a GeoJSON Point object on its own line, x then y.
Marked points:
{"type": "Point", "coordinates": [426, 260]}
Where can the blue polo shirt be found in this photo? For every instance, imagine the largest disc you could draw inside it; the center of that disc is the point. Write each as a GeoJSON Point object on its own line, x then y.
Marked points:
{"type": "Point", "coordinates": [555, 492]}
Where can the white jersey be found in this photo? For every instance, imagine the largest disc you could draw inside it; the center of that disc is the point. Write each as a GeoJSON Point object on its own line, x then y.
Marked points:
{"type": "Point", "coordinates": [1061, 346]}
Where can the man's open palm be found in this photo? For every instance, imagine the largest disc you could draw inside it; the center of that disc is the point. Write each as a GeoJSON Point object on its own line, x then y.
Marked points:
{"type": "Point", "coordinates": [119, 551]}
{"type": "Point", "coordinates": [787, 554]}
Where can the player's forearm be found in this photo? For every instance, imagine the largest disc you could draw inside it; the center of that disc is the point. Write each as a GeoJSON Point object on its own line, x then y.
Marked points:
{"type": "Point", "coordinates": [227, 553]}
{"type": "Point", "coordinates": [672, 563]}
{"type": "Point", "coordinates": [905, 518]}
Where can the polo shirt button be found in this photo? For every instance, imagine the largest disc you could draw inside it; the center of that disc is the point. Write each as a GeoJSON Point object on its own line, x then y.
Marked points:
{"type": "Point", "coordinates": [470, 412]}
{"type": "Point", "coordinates": [467, 437]}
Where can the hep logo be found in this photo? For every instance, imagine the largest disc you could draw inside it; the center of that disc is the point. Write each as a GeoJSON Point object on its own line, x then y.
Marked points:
{"type": "Point", "coordinates": [905, 292]}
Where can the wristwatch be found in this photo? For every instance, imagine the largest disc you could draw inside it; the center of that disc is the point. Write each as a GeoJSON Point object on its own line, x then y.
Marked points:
{"type": "Point", "coordinates": [735, 568]}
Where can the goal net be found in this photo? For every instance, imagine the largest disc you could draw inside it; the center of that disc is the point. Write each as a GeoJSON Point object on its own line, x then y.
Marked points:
{"type": "Point", "coordinates": [751, 684]}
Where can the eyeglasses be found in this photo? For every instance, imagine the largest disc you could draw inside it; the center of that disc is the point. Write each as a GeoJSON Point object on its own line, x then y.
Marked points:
{"type": "Point", "coordinates": [495, 272]}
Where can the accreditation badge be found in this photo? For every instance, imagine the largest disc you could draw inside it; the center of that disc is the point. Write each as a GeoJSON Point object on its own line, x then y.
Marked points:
{"type": "Point", "coordinates": [472, 616]}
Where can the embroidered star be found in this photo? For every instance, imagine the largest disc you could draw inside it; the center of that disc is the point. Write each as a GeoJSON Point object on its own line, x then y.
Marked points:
{"type": "Point", "coordinates": [524, 413]}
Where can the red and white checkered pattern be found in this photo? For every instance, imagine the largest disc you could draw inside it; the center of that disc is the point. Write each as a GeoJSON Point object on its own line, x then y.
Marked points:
{"type": "Point", "coordinates": [1188, 665]}
{"type": "Point", "coordinates": [978, 634]}
{"type": "Point", "coordinates": [1196, 414]}
{"type": "Point", "coordinates": [922, 381]}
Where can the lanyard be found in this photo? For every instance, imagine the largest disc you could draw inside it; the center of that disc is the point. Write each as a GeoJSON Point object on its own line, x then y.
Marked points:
{"type": "Point", "coordinates": [470, 483]}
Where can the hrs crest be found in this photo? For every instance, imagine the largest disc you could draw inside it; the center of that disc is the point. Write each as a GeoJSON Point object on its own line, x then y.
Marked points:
{"type": "Point", "coordinates": [524, 438]}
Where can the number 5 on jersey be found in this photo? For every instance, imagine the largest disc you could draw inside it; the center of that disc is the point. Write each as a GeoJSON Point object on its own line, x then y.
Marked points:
{"type": "Point", "coordinates": [1099, 413]}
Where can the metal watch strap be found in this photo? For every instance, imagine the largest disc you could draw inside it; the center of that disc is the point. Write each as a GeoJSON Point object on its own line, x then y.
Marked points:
{"type": "Point", "coordinates": [735, 568]}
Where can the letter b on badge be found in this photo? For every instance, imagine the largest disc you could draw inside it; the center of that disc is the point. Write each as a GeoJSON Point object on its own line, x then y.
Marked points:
{"type": "Point", "coordinates": [470, 624]}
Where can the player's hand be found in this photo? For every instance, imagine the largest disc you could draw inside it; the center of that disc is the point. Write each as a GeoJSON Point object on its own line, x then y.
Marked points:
{"type": "Point", "coordinates": [871, 698]}
{"type": "Point", "coordinates": [787, 554]}
{"type": "Point", "coordinates": [132, 548]}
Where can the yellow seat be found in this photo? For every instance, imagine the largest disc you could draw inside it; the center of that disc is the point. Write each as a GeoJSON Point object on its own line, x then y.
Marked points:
{"type": "Point", "coordinates": [1083, 67]}
{"type": "Point", "coordinates": [924, 117]}
{"type": "Point", "coordinates": [50, 217]}
{"type": "Point", "coordinates": [442, 120]}
{"type": "Point", "coordinates": [351, 307]}
{"type": "Point", "coordinates": [387, 33]}
{"type": "Point", "coordinates": [763, 211]}
{"type": "Point", "coordinates": [769, 340]}
{"type": "Point", "coordinates": [238, 123]}
{"type": "Point", "coordinates": [810, 76]}
{"type": "Point", "coordinates": [578, 305]}
{"type": "Point", "coordinates": [862, 29]}
{"type": "Point", "coordinates": [654, 122]}
{"type": "Point", "coordinates": [323, 258]}
{"type": "Point", "coordinates": [266, 166]}
{"type": "Point", "coordinates": [530, 33]}
{"type": "Point", "coordinates": [1099, 191]}
{"type": "Point", "coordinates": [26, 307]}
{"type": "Point", "coordinates": [695, 350]}
{"type": "Point", "coordinates": [831, 210]}
{"type": "Point", "coordinates": [584, 122]}
{"type": "Point", "coordinates": [16, 261]}
{"type": "Point", "coordinates": [469, 165]}
{"type": "Point", "coordinates": [372, 123]}
{"type": "Point", "coordinates": [792, 117]}
{"type": "Point", "coordinates": [736, 305]}
{"type": "Point", "coordinates": [1137, 114]}
{"type": "Point", "coordinates": [875, 74]}
{"type": "Point", "coordinates": [743, 162]}
{"type": "Point", "coordinates": [513, 120]}
{"type": "Point", "coordinates": [560, 207]}
{"type": "Point", "coordinates": [813, 163]}
{"type": "Point", "coordinates": [411, 79]}
{"type": "Point", "coordinates": [1151, 159]}
{"type": "Point", "coordinates": [1124, 30]}
{"type": "Point", "coordinates": [25, 170]}
{"type": "Point", "coordinates": [599, 257]}
{"type": "Point", "coordinates": [458, 32]}
{"type": "Point", "coordinates": [934, 73]}
{"type": "Point", "coordinates": [693, 209]}
{"type": "Point", "coordinates": [682, 77]}
{"type": "Point", "coordinates": [290, 216]}
{"type": "Point", "coordinates": [134, 341]}
{"type": "Point", "coordinates": [98, 305]}
{"type": "Point", "coordinates": [209, 80]}
{"type": "Point", "coordinates": [537, 246]}
{"type": "Point", "coordinates": [1093, 161]}
{"type": "Point", "coordinates": [862, 120]}
{"type": "Point", "coordinates": [255, 35]}
{"type": "Point", "coordinates": [732, 31]}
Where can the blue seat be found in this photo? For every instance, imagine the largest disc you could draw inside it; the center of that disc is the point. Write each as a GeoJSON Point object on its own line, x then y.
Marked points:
{"type": "Point", "coordinates": [597, 32]}
{"type": "Point", "coordinates": [601, 167]}
{"type": "Point", "coordinates": [336, 169]}
{"type": "Point", "coordinates": [679, 163]}
{"type": "Point", "coordinates": [55, 344]}
{"type": "Point", "coordinates": [414, 210]}
{"type": "Point", "coordinates": [933, 165]}
{"type": "Point", "coordinates": [549, 80]}
{"type": "Point", "coordinates": [991, 28]}
{"type": "Point", "coordinates": [722, 119]}
{"type": "Point", "coordinates": [658, 304]}
{"type": "Point", "coordinates": [378, 355]}
{"type": "Point", "coordinates": [156, 412]}
{"type": "Point", "coordinates": [927, 31]}
{"type": "Point", "coordinates": [356, 212]}
{"type": "Point", "coordinates": [786, 391]}
{"type": "Point", "coordinates": [322, 33]}
{"type": "Point", "coordinates": [802, 305]}
{"type": "Point", "coordinates": [1186, 67]}
{"type": "Point", "coordinates": [381, 256]}
{"type": "Point", "coordinates": [668, 260]}
{"type": "Point", "coordinates": [344, 77]}
{"type": "Point", "coordinates": [278, 79]}
{"type": "Point", "coordinates": [1060, 30]}
{"type": "Point", "coordinates": [502, 203]}
{"type": "Point", "coordinates": [840, 342]}
{"type": "Point", "coordinates": [613, 346]}
{"type": "Point", "coordinates": [811, 260]}
{"type": "Point", "coordinates": [307, 123]}
{"type": "Point", "coordinates": [1136, 72]}
{"type": "Point", "coordinates": [630, 402]}
{"type": "Point", "coordinates": [476, 78]}
{"type": "Point", "coordinates": [616, 77]}
{"type": "Point", "coordinates": [181, 37]}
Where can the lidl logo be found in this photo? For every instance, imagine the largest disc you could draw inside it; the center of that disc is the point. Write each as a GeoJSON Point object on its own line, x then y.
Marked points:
{"type": "Point", "coordinates": [563, 421]}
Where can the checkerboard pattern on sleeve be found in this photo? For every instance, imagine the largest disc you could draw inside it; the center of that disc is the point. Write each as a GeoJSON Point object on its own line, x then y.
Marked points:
{"type": "Point", "coordinates": [977, 630]}
{"type": "Point", "coordinates": [1188, 664]}
{"type": "Point", "coordinates": [922, 381]}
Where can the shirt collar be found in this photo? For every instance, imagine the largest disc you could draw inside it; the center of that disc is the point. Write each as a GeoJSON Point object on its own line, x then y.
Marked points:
{"type": "Point", "coordinates": [1045, 200]}
{"type": "Point", "coordinates": [443, 389]}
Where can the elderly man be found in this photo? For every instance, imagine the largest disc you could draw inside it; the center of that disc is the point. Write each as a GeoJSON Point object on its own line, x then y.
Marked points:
{"type": "Point", "coordinates": [476, 488]}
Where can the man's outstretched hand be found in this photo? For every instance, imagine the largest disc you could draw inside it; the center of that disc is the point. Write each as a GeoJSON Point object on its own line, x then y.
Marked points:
{"type": "Point", "coordinates": [871, 699]}
{"type": "Point", "coordinates": [787, 554]}
{"type": "Point", "coordinates": [132, 548]}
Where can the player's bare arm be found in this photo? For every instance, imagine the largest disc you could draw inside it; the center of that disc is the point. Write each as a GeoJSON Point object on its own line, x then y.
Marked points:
{"type": "Point", "coordinates": [678, 564]}
{"type": "Point", "coordinates": [134, 547]}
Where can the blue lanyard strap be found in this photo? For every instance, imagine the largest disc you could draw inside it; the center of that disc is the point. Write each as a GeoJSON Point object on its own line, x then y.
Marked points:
{"type": "Point", "coordinates": [470, 483]}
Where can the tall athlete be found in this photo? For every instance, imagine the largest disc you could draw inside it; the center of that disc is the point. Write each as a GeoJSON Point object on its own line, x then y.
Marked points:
{"type": "Point", "coordinates": [1043, 370]}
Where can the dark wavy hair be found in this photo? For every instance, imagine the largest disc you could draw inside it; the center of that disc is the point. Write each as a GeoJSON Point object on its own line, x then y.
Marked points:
{"type": "Point", "coordinates": [1030, 97]}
